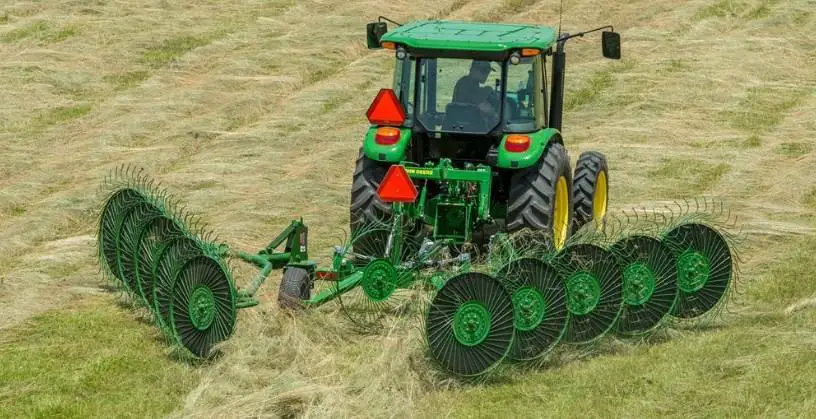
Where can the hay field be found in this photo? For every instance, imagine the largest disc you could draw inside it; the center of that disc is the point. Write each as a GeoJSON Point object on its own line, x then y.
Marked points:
{"type": "Point", "coordinates": [253, 112]}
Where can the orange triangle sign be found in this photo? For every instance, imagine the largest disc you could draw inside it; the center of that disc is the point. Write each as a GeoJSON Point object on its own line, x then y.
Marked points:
{"type": "Point", "coordinates": [386, 109]}
{"type": "Point", "coordinates": [397, 186]}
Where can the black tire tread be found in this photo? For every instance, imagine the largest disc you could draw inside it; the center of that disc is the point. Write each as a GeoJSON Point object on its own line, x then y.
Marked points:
{"type": "Point", "coordinates": [589, 165]}
{"type": "Point", "coordinates": [532, 191]}
{"type": "Point", "coordinates": [366, 206]}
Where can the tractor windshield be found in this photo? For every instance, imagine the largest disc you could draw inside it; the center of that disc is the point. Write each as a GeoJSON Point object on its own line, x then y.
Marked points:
{"type": "Point", "coordinates": [457, 95]}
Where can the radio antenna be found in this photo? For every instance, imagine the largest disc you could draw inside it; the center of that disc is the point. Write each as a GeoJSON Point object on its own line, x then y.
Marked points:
{"type": "Point", "coordinates": [560, 15]}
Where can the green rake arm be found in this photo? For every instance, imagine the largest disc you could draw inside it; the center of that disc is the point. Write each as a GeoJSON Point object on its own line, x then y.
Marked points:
{"type": "Point", "coordinates": [294, 253]}
{"type": "Point", "coordinates": [295, 238]}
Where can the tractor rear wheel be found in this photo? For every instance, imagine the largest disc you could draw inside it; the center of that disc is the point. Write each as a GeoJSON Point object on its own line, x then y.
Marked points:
{"type": "Point", "coordinates": [367, 210]}
{"type": "Point", "coordinates": [590, 191]}
{"type": "Point", "coordinates": [366, 206]}
{"type": "Point", "coordinates": [541, 196]}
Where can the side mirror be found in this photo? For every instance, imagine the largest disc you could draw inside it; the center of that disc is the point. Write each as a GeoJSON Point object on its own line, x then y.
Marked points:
{"type": "Point", "coordinates": [610, 43]}
{"type": "Point", "coordinates": [375, 31]}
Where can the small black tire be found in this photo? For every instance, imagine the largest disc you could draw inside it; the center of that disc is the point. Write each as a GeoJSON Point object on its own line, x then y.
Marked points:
{"type": "Point", "coordinates": [295, 287]}
{"type": "Point", "coordinates": [533, 193]}
{"type": "Point", "coordinates": [590, 191]}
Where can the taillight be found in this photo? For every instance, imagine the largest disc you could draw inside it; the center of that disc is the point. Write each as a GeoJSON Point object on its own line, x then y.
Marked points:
{"type": "Point", "coordinates": [387, 136]}
{"type": "Point", "coordinates": [326, 275]}
{"type": "Point", "coordinates": [516, 143]}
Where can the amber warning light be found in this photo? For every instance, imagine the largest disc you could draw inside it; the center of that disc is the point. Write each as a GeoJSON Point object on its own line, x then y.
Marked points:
{"type": "Point", "coordinates": [397, 186]}
{"type": "Point", "coordinates": [386, 109]}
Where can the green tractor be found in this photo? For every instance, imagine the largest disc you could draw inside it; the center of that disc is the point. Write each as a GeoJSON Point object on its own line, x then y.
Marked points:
{"type": "Point", "coordinates": [464, 149]}
{"type": "Point", "coordinates": [476, 124]}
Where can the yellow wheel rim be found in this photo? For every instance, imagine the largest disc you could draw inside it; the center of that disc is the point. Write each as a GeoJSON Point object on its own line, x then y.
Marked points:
{"type": "Point", "coordinates": [599, 200]}
{"type": "Point", "coordinates": [561, 213]}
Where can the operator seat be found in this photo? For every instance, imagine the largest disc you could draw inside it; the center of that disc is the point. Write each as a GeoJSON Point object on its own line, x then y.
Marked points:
{"type": "Point", "coordinates": [463, 117]}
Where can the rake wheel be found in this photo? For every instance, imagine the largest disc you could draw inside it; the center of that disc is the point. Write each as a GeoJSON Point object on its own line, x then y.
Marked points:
{"type": "Point", "coordinates": [594, 286]}
{"type": "Point", "coordinates": [469, 325]}
{"type": "Point", "coordinates": [127, 243]}
{"type": "Point", "coordinates": [704, 268]}
{"type": "Point", "coordinates": [154, 234]}
{"type": "Point", "coordinates": [540, 305]}
{"type": "Point", "coordinates": [649, 283]}
{"type": "Point", "coordinates": [382, 279]}
{"type": "Point", "coordinates": [167, 261]}
{"type": "Point", "coordinates": [202, 306]}
{"type": "Point", "coordinates": [110, 222]}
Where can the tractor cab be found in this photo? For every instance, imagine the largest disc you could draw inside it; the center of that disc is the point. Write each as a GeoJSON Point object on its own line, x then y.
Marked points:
{"type": "Point", "coordinates": [474, 97]}
{"type": "Point", "coordinates": [464, 86]}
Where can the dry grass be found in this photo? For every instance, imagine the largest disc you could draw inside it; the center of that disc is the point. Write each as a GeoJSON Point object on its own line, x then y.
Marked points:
{"type": "Point", "coordinates": [252, 113]}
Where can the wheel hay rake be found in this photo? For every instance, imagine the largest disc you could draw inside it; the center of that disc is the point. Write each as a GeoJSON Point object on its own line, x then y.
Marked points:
{"type": "Point", "coordinates": [623, 278]}
{"type": "Point", "coordinates": [145, 241]}
{"type": "Point", "coordinates": [518, 301]}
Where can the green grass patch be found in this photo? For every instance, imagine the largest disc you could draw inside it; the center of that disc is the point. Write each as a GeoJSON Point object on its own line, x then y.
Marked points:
{"type": "Point", "coordinates": [333, 102]}
{"type": "Point", "coordinates": [507, 7]}
{"type": "Point", "coordinates": [62, 114]}
{"type": "Point", "coordinates": [675, 65]}
{"type": "Point", "coordinates": [736, 9]}
{"type": "Point", "coordinates": [801, 17]}
{"type": "Point", "coordinates": [16, 210]}
{"type": "Point", "coordinates": [589, 92]}
{"type": "Point", "coordinates": [789, 278]}
{"type": "Point", "coordinates": [4, 18]}
{"type": "Point", "coordinates": [794, 149]}
{"type": "Point", "coordinates": [127, 80]}
{"type": "Point", "coordinates": [63, 34]}
{"type": "Point", "coordinates": [752, 142]}
{"type": "Point", "coordinates": [169, 50]}
{"type": "Point", "coordinates": [758, 12]}
{"type": "Point", "coordinates": [40, 31]}
{"type": "Point", "coordinates": [241, 114]}
{"type": "Point", "coordinates": [762, 109]}
{"type": "Point", "coordinates": [444, 12]}
{"type": "Point", "coordinates": [315, 75]}
{"type": "Point", "coordinates": [695, 175]}
{"type": "Point", "coordinates": [722, 8]}
{"type": "Point", "coordinates": [809, 199]}
{"type": "Point", "coordinates": [29, 31]}
{"type": "Point", "coordinates": [93, 360]}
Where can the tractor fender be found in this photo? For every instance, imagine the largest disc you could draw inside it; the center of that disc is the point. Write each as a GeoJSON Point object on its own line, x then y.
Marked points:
{"type": "Point", "coordinates": [524, 159]}
{"type": "Point", "coordinates": [393, 153]}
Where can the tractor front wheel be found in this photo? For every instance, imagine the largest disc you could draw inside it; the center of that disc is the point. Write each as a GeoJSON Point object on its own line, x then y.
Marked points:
{"type": "Point", "coordinates": [541, 197]}
{"type": "Point", "coordinates": [590, 188]}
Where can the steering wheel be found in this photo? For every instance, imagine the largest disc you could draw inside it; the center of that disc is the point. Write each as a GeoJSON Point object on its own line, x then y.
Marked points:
{"type": "Point", "coordinates": [511, 109]}
{"type": "Point", "coordinates": [494, 99]}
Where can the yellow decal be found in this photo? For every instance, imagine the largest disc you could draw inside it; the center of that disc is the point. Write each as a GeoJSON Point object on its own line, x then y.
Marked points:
{"type": "Point", "coordinates": [421, 172]}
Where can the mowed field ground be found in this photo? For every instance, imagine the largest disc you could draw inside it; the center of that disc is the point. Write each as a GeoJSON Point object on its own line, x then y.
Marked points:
{"type": "Point", "coordinates": [253, 112]}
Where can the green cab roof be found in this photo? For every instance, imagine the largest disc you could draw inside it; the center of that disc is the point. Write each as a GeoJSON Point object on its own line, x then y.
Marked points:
{"type": "Point", "coordinates": [470, 36]}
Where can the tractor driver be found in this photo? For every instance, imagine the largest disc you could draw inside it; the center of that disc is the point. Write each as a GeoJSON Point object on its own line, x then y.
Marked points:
{"type": "Point", "coordinates": [469, 90]}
